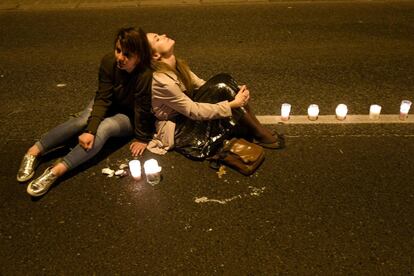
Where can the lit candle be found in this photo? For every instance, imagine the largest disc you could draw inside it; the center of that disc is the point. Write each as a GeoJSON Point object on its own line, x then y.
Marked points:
{"type": "Point", "coordinates": [374, 112]}
{"type": "Point", "coordinates": [404, 108]}
{"type": "Point", "coordinates": [152, 171]}
{"type": "Point", "coordinates": [341, 111]}
{"type": "Point", "coordinates": [313, 112]}
{"type": "Point", "coordinates": [285, 111]}
{"type": "Point", "coordinates": [135, 169]}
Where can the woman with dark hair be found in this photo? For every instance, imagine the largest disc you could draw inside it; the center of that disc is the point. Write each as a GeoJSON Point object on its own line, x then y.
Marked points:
{"type": "Point", "coordinates": [194, 116]}
{"type": "Point", "coordinates": [121, 107]}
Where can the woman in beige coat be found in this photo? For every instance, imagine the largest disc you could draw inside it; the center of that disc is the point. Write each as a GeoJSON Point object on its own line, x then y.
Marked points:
{"type": "Point", "coordinates": [194, 116]}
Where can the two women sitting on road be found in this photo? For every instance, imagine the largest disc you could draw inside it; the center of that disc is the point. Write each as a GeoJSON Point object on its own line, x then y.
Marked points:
{"type": "Point", "coordinates": [143, 78]}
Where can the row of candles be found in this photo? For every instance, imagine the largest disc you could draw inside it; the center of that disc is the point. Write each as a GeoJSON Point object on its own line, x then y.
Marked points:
{"type": "Point", "coordinates": [342, 110]}
{"type": "Point", "coordinates": [151, 168]}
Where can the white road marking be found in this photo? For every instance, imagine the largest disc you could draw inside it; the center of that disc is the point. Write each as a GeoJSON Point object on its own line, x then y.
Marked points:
{"type": "Point", "coordinates": [331, 119]}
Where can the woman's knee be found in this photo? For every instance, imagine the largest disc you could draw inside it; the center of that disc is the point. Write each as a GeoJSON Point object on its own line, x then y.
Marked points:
{"type": "Point", "coordinates": [107, 127]}
{"type": "Point", "coordinates": [118, 125]}
{"type": "Point", "coordinates": [225, 83]}
{"type": "Point", "coordinates": [222, 78]}
{"type": "Point", "coordinates": [80, 122]}
{"type": "Point", "coordinates": [80, 119]}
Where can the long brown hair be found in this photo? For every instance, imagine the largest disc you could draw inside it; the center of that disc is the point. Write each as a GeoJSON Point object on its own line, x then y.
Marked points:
{"type": "Point", "coordinates": [182, 70]}
{"type": "Point", "coordinates": [136, 42]}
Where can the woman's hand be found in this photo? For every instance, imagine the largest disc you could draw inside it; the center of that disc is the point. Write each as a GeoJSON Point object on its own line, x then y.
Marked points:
{"type": "Point", "coordinates": [241, 98]}
{"type": "Point", "coordinates": [86, 140]}
{"type": "Point", "coordinates": [137, 148]}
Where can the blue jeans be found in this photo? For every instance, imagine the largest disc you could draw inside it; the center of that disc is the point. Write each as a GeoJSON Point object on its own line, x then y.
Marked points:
{"type": "Point", "coordinates": [118, 125]}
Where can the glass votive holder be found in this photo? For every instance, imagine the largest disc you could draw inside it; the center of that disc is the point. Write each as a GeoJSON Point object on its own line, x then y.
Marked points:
{"type": "Point", "coordinates": [313, 112]}
{"type": "Point", "coordinates": [152, 172]}
{"type": "Point", "coordinates": [341, 111]}
{"type": "Point", "coordinates": [135, 169]}
{"type": "Point", "coordinates": [285, 111]}
{"type": "Point", "coordinates": [374, 111]}
{"type": "Point", "coordinates": [404, 109]}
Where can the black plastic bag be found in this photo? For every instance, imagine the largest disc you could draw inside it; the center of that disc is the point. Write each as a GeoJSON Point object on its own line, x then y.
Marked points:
{"type": "Point", "coordinates": [198, 140]}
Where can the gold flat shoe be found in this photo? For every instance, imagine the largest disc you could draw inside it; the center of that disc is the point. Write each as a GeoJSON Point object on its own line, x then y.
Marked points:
{"type": "Point", "coordinates": [27, 167]}
{"type": "Point", "coordinates": [42, 184]}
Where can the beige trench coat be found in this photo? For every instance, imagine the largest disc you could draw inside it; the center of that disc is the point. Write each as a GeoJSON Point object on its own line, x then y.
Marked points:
{"type": "Point", "coordinates": [169, 100]}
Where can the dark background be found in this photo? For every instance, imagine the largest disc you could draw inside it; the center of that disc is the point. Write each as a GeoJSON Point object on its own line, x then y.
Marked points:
{"type": "Point", "coordinates": [337, 200]}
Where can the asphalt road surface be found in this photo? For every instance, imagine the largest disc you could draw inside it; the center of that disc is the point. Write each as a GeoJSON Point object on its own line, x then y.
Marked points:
{"type": "Point", "coordinates": [338, 200]}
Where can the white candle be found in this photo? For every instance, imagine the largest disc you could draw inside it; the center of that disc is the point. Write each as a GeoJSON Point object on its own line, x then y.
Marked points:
{"type": "Point", "coordinates": [374, 111]}
{"type": "Point", "coordinates": [313, 112]}
{"type": "Point", "coordinates": [404, 109]}
{"type": "Point", "coordinates": [341, 111]}
{"type": "Point", "coordinates": [135, 169]}
{"type": "Point", "coordinates": [152, 171]}
{"type": "Point", "coordinates": [285, 111]}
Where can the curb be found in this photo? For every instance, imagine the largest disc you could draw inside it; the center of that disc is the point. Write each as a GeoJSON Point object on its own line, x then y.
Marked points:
{"type": "Point", "coordinates": [331, 119]}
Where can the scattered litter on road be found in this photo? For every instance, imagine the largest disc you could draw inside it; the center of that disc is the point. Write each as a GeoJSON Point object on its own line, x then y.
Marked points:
{"type": "Point", "coordinates": [205, 199]}
{"type": "Point", "coordinates": [123, 166]}
{"type": "Point", "coordinates": [120, 173]}
{"type": "Point", "coordinates": [108, 172]}
{"type": "Point", "coordinates": [222, 171]}
{"type": "Point", "coordinates": [254, 192]}
{"type": "Point", "coordinates": [61, 85]}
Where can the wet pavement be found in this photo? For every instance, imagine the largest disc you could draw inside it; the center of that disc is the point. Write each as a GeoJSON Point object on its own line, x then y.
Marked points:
{"type": "Point", "coordinates": [338, 200]}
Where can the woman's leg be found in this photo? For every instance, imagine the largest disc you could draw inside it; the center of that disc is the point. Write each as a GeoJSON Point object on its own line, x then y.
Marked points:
{"type": "Point", "coordinates": [118, 125]}
{"type": "Point", "coordinates": [50, 140]}
{"type": "Point", "coordinates": [115, 126]}
{"type": "Point", "coordinates": [225, 88]}
{"type": "Point", "coordinates": [63, 132]}
{"type": "Point", "coordinates": [260, 132]}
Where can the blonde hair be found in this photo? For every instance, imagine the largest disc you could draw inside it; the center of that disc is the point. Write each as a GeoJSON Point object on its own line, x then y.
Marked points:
{"type": "Point", "coordinates": [182, 70]}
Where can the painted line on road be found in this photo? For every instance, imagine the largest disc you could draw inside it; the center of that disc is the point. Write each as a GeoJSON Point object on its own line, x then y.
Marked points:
{"type": "Point", "coordinates": [331, 119]}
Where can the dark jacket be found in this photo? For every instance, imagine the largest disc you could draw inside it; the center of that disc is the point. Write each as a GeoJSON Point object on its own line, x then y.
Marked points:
{"type": "Point", "coordinates": [126, 93]}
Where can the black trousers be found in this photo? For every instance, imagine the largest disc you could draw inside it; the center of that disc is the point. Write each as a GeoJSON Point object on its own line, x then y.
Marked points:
{"type": "Point", "coordinates": [200, 139]}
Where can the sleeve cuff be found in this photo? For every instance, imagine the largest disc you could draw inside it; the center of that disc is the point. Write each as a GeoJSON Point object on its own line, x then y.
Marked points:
{"type": "Point", "coordinates": [93, 126]}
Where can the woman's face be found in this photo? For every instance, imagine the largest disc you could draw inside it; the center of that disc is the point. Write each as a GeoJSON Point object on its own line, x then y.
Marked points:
{"type": "Point", "coordinates": [125, 60]}
{"type": "Point", "coordinates": [162, 46]}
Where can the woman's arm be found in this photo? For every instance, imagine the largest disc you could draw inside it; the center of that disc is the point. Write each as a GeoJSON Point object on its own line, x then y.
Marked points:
{"type": "Point", "coordinates": [103, 96]}
{"type": "Point", "coordinates": [102, 101]}
{"type": "Point", "coordinates": [196, 81]}
{"type": "Point", "coordinates": [144, 119]}
{"type": "Point", "coordinates": [167, 90]}
{"type": "Point", "coordinates": [241, 98]}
